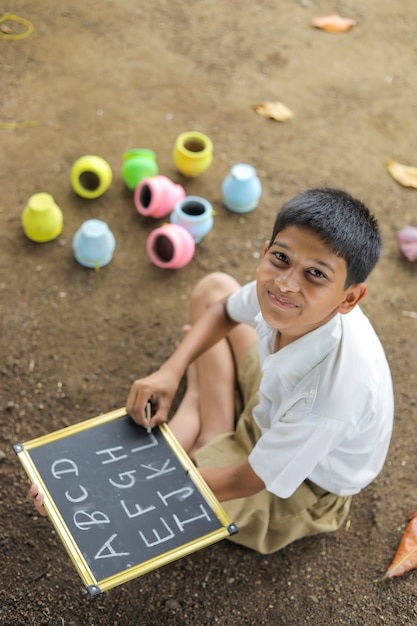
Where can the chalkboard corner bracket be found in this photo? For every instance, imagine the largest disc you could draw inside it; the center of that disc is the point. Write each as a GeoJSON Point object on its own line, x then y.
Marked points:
{"type": "Point", "coordinates": [93, 590]}
{"type": "Point", "coordinates": [233, 529]}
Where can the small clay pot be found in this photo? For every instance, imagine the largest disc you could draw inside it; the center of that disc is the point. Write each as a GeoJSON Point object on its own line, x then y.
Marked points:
{"type": "Point", "coordinates": [93, 244]}
{"type": "Point", "coordinates": [241, 189]}
{"type": "Point", "coordinates": [42, 219]}
{"type": "Point", "coordinates": [137, 165]}
{"type": "Point", "coordinates": [195, 214]}
{"type": "Point", "coordinates": [157, 196]}
{"type": "Point", "coordinates": [91, 176]}
{"type": "Point", "coordinates": [193, 153]}
{"type": "Point", "coordinates": [170, 246]}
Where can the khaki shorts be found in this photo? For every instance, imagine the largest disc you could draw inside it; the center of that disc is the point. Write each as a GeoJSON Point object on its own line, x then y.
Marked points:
{"type": "Point", "coordinates": [266, 522]}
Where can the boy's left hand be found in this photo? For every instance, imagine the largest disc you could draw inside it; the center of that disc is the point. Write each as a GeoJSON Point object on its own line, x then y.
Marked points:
{"type": "Point", "coordinates": [37, 499]}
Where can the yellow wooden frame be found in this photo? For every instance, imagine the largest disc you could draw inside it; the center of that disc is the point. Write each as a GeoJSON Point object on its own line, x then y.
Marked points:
{"type": "Point", "coordinates": [94, 586]}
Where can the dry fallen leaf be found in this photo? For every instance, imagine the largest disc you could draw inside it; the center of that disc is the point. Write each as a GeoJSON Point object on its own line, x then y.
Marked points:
{"type": "Point", "coordinates": [274, 110]}
{"type": "Point", "coordinates": [406, 175]}
{"type": "Point", "coordinates": [412, 314]}
{"type": "Point", "coordinates": [406, 556]}
{"type": "Point", "coordinates": [334, 23]}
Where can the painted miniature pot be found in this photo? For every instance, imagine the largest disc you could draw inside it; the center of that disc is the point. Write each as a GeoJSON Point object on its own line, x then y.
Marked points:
{"type": "Point", "coordinates": [93, 244]}
{"type": "Point", "coordinates": [195, 214]}
{"type": "Point", "coordinates": [170, 246]}
{"type": "Point", "coordinates": [91, 176]}
{"type": "Point", "coordinates": [137, 165]}
{"type": "Point", "coordinates": [241, 189]}
{"type": "Point", "coordinates": [157, 196]}
{"type": "Point", "coordinates": [42, 219]}
{"type": "Point", "coordinates": [193, 153]}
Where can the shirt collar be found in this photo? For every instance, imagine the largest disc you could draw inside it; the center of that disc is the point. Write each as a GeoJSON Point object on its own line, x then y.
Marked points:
{"type": "Point", "coordinates": [302, 355]}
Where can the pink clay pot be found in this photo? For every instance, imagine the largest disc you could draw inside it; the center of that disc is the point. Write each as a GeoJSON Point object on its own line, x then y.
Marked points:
{"type": "Point", "coordinates": [156, 196]}
{"type": "Point", "coordinates": [170, 246]}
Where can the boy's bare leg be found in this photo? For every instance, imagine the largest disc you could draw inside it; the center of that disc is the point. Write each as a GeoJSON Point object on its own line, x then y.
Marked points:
{"type": "Point", "coordinates": [207, 409]}
{"type": "Point", "coordinates": [185, 424]}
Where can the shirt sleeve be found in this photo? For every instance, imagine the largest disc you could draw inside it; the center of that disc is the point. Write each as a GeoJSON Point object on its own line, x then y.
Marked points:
{"type": "Point", "coordinates": [243, 306]}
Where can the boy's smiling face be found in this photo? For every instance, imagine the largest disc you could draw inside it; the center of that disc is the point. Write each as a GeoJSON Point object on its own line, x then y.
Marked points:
{"type": "Point", "coordinates": [301, 284]}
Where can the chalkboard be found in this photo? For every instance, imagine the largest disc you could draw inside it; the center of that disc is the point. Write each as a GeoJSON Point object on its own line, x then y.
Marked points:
{"type": "Point", "coordinates": [124, 501]}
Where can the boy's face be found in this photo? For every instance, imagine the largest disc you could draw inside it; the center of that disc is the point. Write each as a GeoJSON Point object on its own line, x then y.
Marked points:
{"type": "Point", "coordinates": [301, 284]}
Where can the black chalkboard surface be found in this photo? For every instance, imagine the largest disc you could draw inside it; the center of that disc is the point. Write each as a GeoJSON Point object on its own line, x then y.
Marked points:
{"type": "Point", "coordinates": [123, 501]}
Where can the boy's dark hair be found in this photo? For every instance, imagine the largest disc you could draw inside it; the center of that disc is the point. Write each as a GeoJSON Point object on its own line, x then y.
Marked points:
{"type": "Point", "coordinates": [343, 223]}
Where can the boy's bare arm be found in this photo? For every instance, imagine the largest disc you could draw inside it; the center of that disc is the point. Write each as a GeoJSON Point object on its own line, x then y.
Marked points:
{"type": "Point", "coordinates": [161, 386]}
{"type": "Point", "coordinates": [232, 481]}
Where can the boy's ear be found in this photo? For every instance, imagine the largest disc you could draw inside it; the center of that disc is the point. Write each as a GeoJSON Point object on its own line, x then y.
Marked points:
{"type": "Point", "coordinates": [353, 295]}
{"type": "Point", "coordinates": [266, 247]}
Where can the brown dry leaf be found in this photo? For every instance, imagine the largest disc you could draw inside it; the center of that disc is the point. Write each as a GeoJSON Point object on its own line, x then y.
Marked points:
{"type": "Point", "coordinates": [334, 23]}
{"type": "Point", "coordinates": [406, 175]}
{"type": "Point", "coordinates": [406, 556]}
{"type": "Point", "coordinates": [274, 110]}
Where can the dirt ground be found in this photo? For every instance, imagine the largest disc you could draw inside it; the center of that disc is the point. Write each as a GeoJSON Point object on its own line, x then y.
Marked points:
{"type": "Point", "coordinates": [104, 78]}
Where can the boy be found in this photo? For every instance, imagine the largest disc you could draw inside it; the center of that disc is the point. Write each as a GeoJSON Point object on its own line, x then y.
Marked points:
{"type": "Point", "coordinates": [314, 381]}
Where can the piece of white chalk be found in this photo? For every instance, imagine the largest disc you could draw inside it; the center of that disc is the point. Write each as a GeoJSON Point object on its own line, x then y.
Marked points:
{"type": "Point", "coordinates": [148, 417]}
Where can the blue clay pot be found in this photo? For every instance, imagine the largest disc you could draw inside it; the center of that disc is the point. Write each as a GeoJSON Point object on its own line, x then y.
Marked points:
{"type": "Point", "coordinates": [241, 189]}
{"type": "Point", "coordinates": [195, 214]}
{"type": "Point", "coordinates": [93, 244]}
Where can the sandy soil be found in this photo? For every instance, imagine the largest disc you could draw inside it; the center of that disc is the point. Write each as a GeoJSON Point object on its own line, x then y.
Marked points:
{"type": "Point", "coordinates": [105, 78]}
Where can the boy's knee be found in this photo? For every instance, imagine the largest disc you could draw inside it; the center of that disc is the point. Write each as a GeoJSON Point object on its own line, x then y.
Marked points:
{"type": "Point", "coordinates": [212, 288]}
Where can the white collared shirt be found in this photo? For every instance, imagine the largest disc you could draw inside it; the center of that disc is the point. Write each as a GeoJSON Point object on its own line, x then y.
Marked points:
{"type": "Point", "coordinates": [326, 403]}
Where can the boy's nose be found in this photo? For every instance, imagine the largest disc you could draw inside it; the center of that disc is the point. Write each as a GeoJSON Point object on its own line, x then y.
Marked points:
{"type": "Point", "coordinates": [287, 281]}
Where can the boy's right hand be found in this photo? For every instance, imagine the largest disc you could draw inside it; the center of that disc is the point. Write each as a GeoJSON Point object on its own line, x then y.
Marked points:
{"type": "Point", "coordinates": [37, 499]}
{"type": "Point", "coordinates": [159, 388]}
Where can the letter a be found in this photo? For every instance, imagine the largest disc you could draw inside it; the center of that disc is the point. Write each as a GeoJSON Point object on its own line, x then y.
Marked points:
{"type": "Point", "coordinates": [101, 554]}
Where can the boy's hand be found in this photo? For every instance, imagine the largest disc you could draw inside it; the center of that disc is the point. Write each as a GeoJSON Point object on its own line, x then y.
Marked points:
{"type": "Point", "coordinates": [37, 499]}
{"type": "Point", "coordinates": [159, 388]}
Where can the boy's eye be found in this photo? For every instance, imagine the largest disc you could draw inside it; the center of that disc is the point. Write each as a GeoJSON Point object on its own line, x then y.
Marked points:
{"type": "Point", "coordinates": [317, 273]}
{"type": "Point", "coordinates": [280, 256]}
